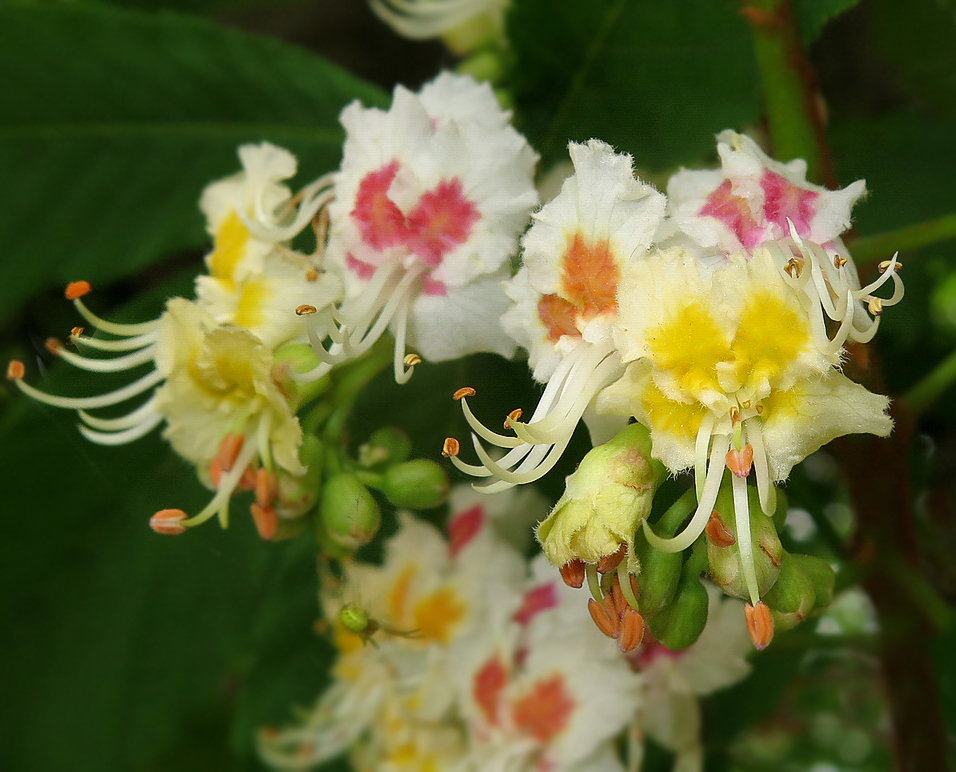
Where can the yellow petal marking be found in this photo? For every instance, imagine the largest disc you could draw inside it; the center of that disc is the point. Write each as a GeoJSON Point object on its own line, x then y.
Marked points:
{"type": "Point", "coordinates": [688, 347]}
{"type": "Point", "coordinates": [229, 247]}
{"type": "Point", "coordinates": [437, 614]}
{"type": "Point", "coordinates": [770, 336]}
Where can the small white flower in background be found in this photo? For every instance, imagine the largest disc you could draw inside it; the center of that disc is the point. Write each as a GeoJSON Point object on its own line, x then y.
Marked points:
{"type": "Point", "coordinates": [565, 306]}
{"type": "Point", "coordinates": [217, 377]}
{"type": "Point", "coordinates": [429, 202]}
{"type": "Point", "coordinates": [423, 19]}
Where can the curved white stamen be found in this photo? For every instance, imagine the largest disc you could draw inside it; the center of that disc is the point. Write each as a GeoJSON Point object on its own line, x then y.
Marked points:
{"type": "Point", "coordinates": [705, 505]}
{"type": "Point", "coordinates": [125, 344]}
{"type": "Point", "coordinates": [865, 336]}
{"type": "Point", "coordinates": [262, 440]}
{"type": "Point", "coordinates": [122, 422]}
{"type": "Point", "coordinates": [402, 374]}
{"type": "Point", "coordinates": [701, 446]}
{"type": "Point", "coordinates": [744, 541]}
{"type": "Point", "coordinates": [887, 275]}
{"type": "Point", "coordinates": [114, 365]}
{"type": "Point", "coordinates": [88, 403]}
{"type": "Point", "coordinates": [227, 484]}
{"type": "Point", "coordinates": [121, 437]}
{"type": "Point", "coordinates": [484, 432]}
{"type": "Point", "coordinates": [846, 327]}
{"type": "Point", "coordinates": [115, 328]}
{"type": "Point", "coordinates": [765, 488]}
{"type": "Point", "coordinates": [262, 224]}
{"type": "Point", "coordinates": [518, 476]}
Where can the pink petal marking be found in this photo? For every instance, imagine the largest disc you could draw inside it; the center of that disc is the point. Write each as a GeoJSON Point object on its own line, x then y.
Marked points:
{"type": "Point", "coordinates": [360, 269]}
{"type": "Point", "coordinates": [734, 212]}
{"type": "Point", "coordinates": [463, 527]}
{"type": "Point", "coordinates": [441, 220]}
{"type": "Point", "coordinates": [783, 200]}
{"type": "Point", "coordinates": [536, 600]}
{"type": "Point", "coordinates": [380, 221]}
{"type": "Point", "coordinates": [432, 286]}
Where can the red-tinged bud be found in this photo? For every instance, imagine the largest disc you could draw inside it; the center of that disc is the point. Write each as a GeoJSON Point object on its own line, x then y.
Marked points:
{"type": "Point", "coordinates": [77, 289]}
{"type": "Point", "coordinates": [168, 522]}
{"type": "Point", "coordinates": [632, 631]}
{"type": "Point", "coordinates": [740, 462]}
{"type": "Point", "coordinates": [718, 532]}
{"type": "Point", "coordinates": [15, 370]}
{"type": "Point", "coordinates": [612, 561]}
{"type": "Point", "coordinates": [759, 624]}
{"type": "Point", "coordinates": [266, 521]}
{"type": "Point", "coordinates": [267, 487]}
{"type": "Point", "coordinates": [607, 622]}
{"type": "Point", "coordinates": [229, 450]}
{"type": "Point", "coordinates": [573, 573]}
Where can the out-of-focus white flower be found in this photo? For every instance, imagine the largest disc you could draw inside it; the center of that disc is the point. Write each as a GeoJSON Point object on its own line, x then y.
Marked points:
{"type": "Point", "coordinates": [423, 19]}
{"type": "Point", "coordinates": [565, 306]}
{"type": "Point", "coordinates": [429, 202]}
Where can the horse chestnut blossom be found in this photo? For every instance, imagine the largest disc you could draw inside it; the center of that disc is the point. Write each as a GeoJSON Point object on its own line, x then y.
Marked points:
{"type": "Point", "coordinates": [218, 378]}
{"type": "Point", "coordinates": [565, 306]}
{"type": "Point", "coordinates": [429, 202]}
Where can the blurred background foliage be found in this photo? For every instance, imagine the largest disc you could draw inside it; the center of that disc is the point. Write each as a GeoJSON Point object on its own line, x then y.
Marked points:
{"type": "Point", "coordinates": [125, 651]}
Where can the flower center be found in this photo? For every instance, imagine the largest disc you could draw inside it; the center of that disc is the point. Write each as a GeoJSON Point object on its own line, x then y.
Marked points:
{"type": "Point", "coordinates": [545, 710]}
{"type": "Point", "coordinates": [441, 221]}
{"type": "Point", "coordinates": [379, 219]}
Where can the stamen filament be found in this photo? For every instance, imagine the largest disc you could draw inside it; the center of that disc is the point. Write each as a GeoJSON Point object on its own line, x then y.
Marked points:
{"type": "Point", "coordinates": [88, 403]}
{"type": "Point", "coordinates": [122, 422]}
{"type": "Point", "coordinates": [124, 436]}
{"type": "Point", "coordinates": [113, 365]}
{"type": "Point", "coordinates": [766, 491]}
{"type": "Point", "coordinates": [594, 582]}
{"type": "Point", "coordinates": [115, 328]}
{"type": "Point", "coordinates": [125, 344]}
{"type": "Point", "coordinates": [227, 484]}
{"type": "Point", "coordinates": [744, 541]}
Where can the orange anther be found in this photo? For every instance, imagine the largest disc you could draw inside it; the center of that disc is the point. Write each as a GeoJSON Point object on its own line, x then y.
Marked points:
{"type": "Point", "coordinates": [718, 532]}
{"type": "Point", "coordinates": [573, 573]}
{"type": "Point", "coordinates": [76, 332]}
{"type": "Point", "coordinates": [305, 310]}
{"type": "Point", "coordinates": [168, 522]}
{"type": "Point", "coordinates": [606, 622]}
{"type": "Point", "coordinates": [450, 447]}
{"type": "Point", "coordinates": [15, 370]}
{"type": "Point", "coordinates": [77, 289]}
{"type": "Point", "coordinates": [759, 624]}
{"type": "Point", "coordinates": [610, 562]}
{"type": "Point", "coordinates": [265, 520]}
{"type": "Point", "coordinates": [513, 417]}
{"type": "Point", "coordinates": [215, 472]}
{"type": "Point", "coordinates": [632, 631]}
{"type": "Point", "coordinates": [267, 487]}
{"type": "Point", "coordinates": [740, 462]}
{"type": "Point", "coordinates": [839, 261]}
{"type": "Point", "coordinates": [464, 391]}
{"type": "Point", "coordinates": [248, 480]}
{"type": "Point", "coordinates": [887, 263]}
{"type": "Point", "coordinates": [229, 450]}
{"type": "Point", "coordinates": [312, 275]}
{"type": "Point", "coordinates": [53, 345]}
{"type": "Point", "coordinates": [411, 360]}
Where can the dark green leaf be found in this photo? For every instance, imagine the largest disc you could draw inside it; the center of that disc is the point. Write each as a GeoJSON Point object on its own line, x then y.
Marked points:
{"type": "Point", "coordinates": [655, 79]}
{"type": "Point", "coordinates": [112, 122]}
{"type": "Point", "coordinates": [814, 15]}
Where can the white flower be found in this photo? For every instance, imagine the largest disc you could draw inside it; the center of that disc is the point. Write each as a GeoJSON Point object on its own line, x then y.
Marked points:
{"type": "Point", "coordinates": [429, 202]}
{"type": "Point", "coordinates": [565, 300]}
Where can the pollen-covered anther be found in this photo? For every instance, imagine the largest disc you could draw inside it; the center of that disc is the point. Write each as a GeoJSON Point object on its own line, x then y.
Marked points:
{"type": "Point", "coordinates": [740, 462]}
{"type": "Point", "coordinates": [168, 522]}
{"type": "Point", "coordinates": [573, 573]}
{"type": "Point", "coordinates": [76, 332]}
{"type": "Point", "coordinates": [887, 263]}
{"type": "Point", "coordinates": [875, 306]}
{"type": "Point", "coordinates": [718, 532]}
{"type": "Point", "coordinates": [15, 370]}
{"type": "Point", "coordinates": [632, 631]}
{"type": "Point", "coordinates": [612, 561]}
{"type": "Point", "coordinates": [267, 487]}
{"type": "Point", "coordinates": [450, 447]}
{"type": "Point", "coordinates": [229, 450]}
{"type": "Point", "coordinates": [735, 415]}
{"type": "Point", "coordinates": [794, 268]}
{"type": "Point", "coordinates": [312, 275]}
{"type": "Point", "coordinates": [265, 519]}
{"type": "Point", "coordinates": [248, 480]}
{"type": "Point", "coordinates": [464, 391]}
{"type": "Point", "coordinates": [77, 289]}
{"type": "Point", "coordinates": [411, 360]}
{"type": "Point", "coordinates": [606, 621]}
{"type": "Point", "coordinates": [839, 261]}
{"type": "Point", "coordinates": [759, 409]}
{"type": "Point", "coordinates": [215, 472]}
{"type": "Point", "coordinates": [759, 624]}
{"type": "Point", "coordinates": [53, 345]}
{"type": "Point", "coordinates": [305, 310]}
{"type": "Point", "coordinates": [513, 417]}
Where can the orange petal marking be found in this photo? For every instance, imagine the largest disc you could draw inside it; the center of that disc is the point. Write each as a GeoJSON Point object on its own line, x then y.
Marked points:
{"type": "Point", "coordinates": [718, 532]}
{"type": "Point", "coordinates": [77, 289]}
{"type": "Point", "coordinates": [759, 624]}
{"type": "Point", "coordinates": [544, 711]}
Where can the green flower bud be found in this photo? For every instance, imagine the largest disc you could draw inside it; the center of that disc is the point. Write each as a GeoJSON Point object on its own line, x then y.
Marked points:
{"type": "Point", "coordinates": [419, 484]}
{"type": "Point", "coordinates": [659, 577]}
{"type": "Point", "coordinates": [389, 445]}
{"type": "Point", "coordinates": [726, 566]}
{"type": "Point", "coordinates": [821, 575]}
{"type": "Point", "coordinates": [792, 596]}
{"type": "Point", "coordinates": [297, 358]}
{"type": "Point", "coordinates": [604, 501]}
{"type": "Point", "coordinates": [348, 512]}
{"type": "Point", "coordinates": [680, 623]}
{"type": "Point", "coordinates": [298, 494]}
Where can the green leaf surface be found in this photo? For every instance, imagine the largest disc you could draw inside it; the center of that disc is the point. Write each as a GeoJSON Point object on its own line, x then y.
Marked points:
{"type": "Point", "coordinates": [112, 122]}
{"type": "Point", "coordinates": [814, 15]}
{"type": "Point", "coordinates": [655, 79]}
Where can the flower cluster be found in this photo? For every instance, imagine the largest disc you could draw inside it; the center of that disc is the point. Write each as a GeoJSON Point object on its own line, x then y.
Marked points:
{"type": "Point", "coordinates": [718, 318]}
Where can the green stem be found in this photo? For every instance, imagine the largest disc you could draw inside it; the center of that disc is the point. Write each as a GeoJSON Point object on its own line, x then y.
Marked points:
{"type": "Point", "coordinates": [933, 385]}
{"type": "Point", "coordinates": [791, 101]}
{"type": "Point", "coordinates": [871, 249]}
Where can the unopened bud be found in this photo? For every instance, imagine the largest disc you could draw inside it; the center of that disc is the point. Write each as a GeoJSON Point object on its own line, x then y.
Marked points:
{"type": "Point", "coordinates": [604, 501]}
{"type": "Point", "coordinates": [168, 522]}
{"type": "Point", "coordinates": [792, 597]}
{"type": "Point", "coordinates": [821, 575]}
{"type": "Point", "coordinates": [718, 533]}
{"type": "Point", "coordinates": [418, 484]}
{"type": "Point", "coordinates": [349, 513]}
{"type": "Point", "coordinates": [680, 623]}
{"type": "Point", "coordinates": [659, 576]}
{"type": "Point", "coordinates": [759, 624]}
{"type": "Point", "coordinates": [297, 358]}
{"type": "Point", "coordinates": [389, 445]}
